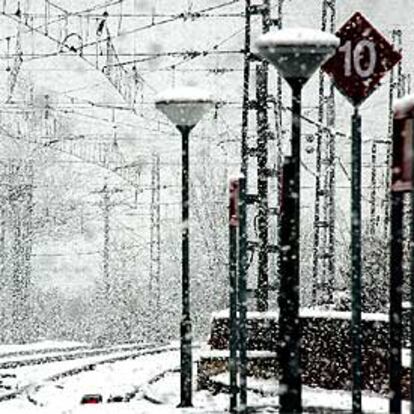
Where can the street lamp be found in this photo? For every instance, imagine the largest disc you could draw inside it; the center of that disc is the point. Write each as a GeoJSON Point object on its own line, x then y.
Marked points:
{"type": "Point", "coordinates": [184, 107]}
{"type": "Point", "coordinates": [296, 54]}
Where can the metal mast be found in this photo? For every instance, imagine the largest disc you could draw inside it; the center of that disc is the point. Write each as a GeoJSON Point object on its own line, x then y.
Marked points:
{"type": "Point", "coordinates": [395, 91]}
{"type": "Point", "coordinates": [258, 154]}
{"type": "Point", "coordinates": [324, 213]}
{"type": "Point", "coordinates": [155, 239]}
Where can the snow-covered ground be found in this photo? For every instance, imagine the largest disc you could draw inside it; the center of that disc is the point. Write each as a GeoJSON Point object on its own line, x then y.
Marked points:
{"type": "Point", "coordinates": [118, 378]}
{"type": "Point", "coordinates": [36, 346]}
{"type": "Point", "coordinates": [167, 391]}
{"type": "Point", "coordinates": [26, 376]}
{"type": "Point", "coordinates": [136, 376]}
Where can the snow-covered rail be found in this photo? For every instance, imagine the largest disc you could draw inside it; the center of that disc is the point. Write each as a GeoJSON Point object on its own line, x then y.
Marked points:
{"type": "Point", "coordinates": [147, 349]}
{"type": "Point", "coordinates": [42, 351]}
{"type": "Point", "coordinates": [64, 355]}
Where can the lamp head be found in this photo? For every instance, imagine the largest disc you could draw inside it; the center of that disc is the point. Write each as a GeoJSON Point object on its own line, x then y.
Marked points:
{"type": "Point", "coordinates": [297, 53]}
{"type": "Point", "coordinates": [184, 106]}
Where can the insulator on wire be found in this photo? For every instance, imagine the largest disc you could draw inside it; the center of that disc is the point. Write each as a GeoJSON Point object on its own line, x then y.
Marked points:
{"type": "Point", "coordinates": [87, 27]}
{"type": "Point", "coordinates": [101, 24]}
{"type": "Point", "coordinates": [18, 12]}
{"type": "Point", "coordinates": [153, 11]}
{"type": "Point", "coordinates": [47, 107]}
{"type": "Point", "coordinates": [47, 6]}
{"type": "Point", "coordinates": [8, 54]}
{"type": "Point", "coordinates": [120, 17]}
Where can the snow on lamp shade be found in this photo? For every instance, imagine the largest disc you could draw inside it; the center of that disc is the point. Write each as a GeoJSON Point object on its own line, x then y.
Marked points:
{"type": "Point", "coordinates": [184, 106]}
{"type": "Point", "coordinates": [404, 107]}
{"type": "Point", "coordinates": [297, 53]}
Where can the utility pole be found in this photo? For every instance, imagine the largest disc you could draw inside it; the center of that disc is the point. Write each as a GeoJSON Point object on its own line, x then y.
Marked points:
{"type": "Point", "coordinates": [324, 213]}
{"type": "Point", "coordinates": [373, 201]}
{"type": "Point", "coordinates": [395, 91]}
{"type": "Point", "coordinates": [262, 69]}
{"type": "Point", "coordinates": [20, 192]}
{"type": "Point", "coordinates": [259, 200]}
{"type": "Point", "coordinates": [242, 208]}
{"type": "Point", "coordinates": [106, 293]}
{"type": "Point", "coordinates": [279, 135]}
{"type": "Point", "coordinates": [331, 116]}
{"type": "Point", "coordinates": [106, 242]}
{"type": "Point", "coordinates": [155, 240]}
{"type": "Point", "coordinates": [3, 226]}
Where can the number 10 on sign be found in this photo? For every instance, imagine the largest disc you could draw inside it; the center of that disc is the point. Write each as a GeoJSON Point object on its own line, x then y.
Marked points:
{"type": "Point", "coordinates": [362, 59]}
{"type": "Point", "coordinates": [355, 56]}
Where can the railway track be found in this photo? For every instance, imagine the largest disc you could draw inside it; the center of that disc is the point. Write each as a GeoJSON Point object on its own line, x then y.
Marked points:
{"type": "Point", "coordinates": [145, 349]}
{"type": "Point", "coordinates": [41, 351]}
{"type": "Point", "coordinates": [66, 356]}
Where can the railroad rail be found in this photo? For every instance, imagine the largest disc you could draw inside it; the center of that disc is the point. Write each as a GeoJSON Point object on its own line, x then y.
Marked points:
{"type": "Point", "coordinates": [146, 349]}
{"type": "Point", "coordinates": [68, 356]}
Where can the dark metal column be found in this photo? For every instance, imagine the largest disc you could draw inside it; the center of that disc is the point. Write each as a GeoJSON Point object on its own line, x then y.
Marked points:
{"type": "Point", "coordinates": [373, 201]}
{"type": "Point", "coordinates": [243, 213]}
{"type": "Point", "coordinates": [233, 224]}
{"type": "Point", "coordinates": [411, 314]}
{"type": "Point", "coordinates": [356, 261]}
{"type": "Point", "coordinates": [246, 87]}
{"type": "Point", "coordinates": [330, 279]}
{"type": "Point", "coordinates": [396, 280]}
{"type": "Point", "coordinates": [186, 335]}
{"type": "Point", "coordinates": [319, 192]}
{"type": "Point", "coordinates": [242, 284]}
{"type": "Point", "coordinates": [289, 296]}
{"type": "Point", "coordinates": [262, 188]}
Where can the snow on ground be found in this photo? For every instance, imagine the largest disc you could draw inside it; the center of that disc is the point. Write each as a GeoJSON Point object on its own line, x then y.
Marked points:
{"type": "Point", "coordinates": [69, 351]}
{"type": "Point", "coordinates": [167, 391]}
{"type": "Point", "coordinates": [63, 397]}
{"type": "Point", "coordinates": [35, 346]}
{"type": "Point", "coordinates": [115, 379]}
{"type": "Point", "coordinates": [25, 376]}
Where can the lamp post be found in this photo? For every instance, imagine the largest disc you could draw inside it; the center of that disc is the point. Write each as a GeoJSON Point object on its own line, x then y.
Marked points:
{"type": "Point", "coordinates": [296, 54]}
{"type": "Point", "coordinates": [184, 107]}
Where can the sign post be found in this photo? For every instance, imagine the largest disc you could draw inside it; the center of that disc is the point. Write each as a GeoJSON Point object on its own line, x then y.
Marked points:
{"type": "Point", "coordinates": [362, 59]}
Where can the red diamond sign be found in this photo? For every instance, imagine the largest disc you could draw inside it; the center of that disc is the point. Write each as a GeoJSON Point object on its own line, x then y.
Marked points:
{"type": "Point", "coordinates": [362, 59]}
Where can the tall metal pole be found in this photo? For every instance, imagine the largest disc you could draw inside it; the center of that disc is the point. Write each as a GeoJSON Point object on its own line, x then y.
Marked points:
{"type": "Point", "coordinates": [106, 241]}
{"type": "Point", "coordinates": [262, 188]}
{"type": "Point", "coordinates": [262, 176]}
{"type": "Point", "coordinates": [373, 201]}
{"type": "Point", "coordinates": [243, 214]}
{"type": "Point", "coordinates": [323, 268]}
{"type": "Point", "coordinates": [396, 283]}
{"type": "Point", "coordinates": [155, 248]}
{"type": "Point", "coordinates": [331, 115]}
{"type": "Point", "coordinates": [395, 86]}
{"type": "Point", "coordinates": [396, 280]}
{"type": "Point", "coordinates": [278, 115]}
{"type": "Point", "coordinates": [233, 224]}
{"type": "Point", "coordinates": [412, 279]}
{"type": "Point", "coordinates": [316, 274]}
{"type": "Point", "coordinates": [246, 87]}
{"type": "Point", "coordinates": [356, 261]}
{"type": "Point", "coordinates": [242, 284]}
{"type": "Point", "coordinates": [289, 324]}
{"type": "Point", "coordinates": [186, 329]}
